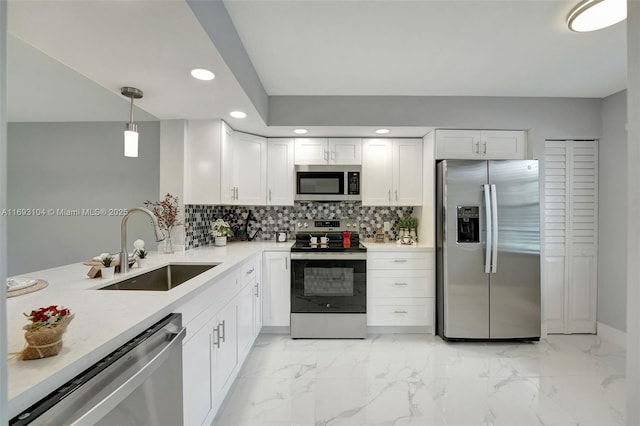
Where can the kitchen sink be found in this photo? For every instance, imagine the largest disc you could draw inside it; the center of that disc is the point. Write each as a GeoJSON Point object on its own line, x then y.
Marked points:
{"type": "Point", "coordinates": [161, 279]}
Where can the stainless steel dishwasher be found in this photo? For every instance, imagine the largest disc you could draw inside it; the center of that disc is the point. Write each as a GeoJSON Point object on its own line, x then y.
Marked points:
{"type": "Point", "coordinates": [140, 383]}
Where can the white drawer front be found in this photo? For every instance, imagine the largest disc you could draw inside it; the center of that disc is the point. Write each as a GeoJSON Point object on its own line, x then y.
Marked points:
{"type": "Point", "coordinates": [401, 283]}
{"type": "Point", "coordinates": [399, 312]}
{"type": "Point", "coordinates": [399, 260]}
{"type": "Point", "coordinates": [248, 271]}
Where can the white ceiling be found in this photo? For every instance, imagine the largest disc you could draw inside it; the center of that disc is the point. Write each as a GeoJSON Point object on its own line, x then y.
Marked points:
{"type": "Point", "coordinates": [428, 48]}
{"type": "Point", "coordinates": [302, 47]}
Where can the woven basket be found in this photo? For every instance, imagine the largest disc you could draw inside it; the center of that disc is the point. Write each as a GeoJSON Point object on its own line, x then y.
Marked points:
{"type": "Point", "coordinates": [44, 342]}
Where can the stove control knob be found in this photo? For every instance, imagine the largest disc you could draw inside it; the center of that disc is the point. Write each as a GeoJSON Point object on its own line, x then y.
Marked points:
{"type": "Point", "coordinates": [306, 225]}
{"type": "Point", "coordinates": [299, 225]}
{"type": "Point", "coordinates": [348, 225]}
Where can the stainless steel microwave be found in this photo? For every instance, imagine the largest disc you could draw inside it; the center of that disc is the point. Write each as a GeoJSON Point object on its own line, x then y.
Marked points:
{"type": "Point", "coordinates": [327, 183]}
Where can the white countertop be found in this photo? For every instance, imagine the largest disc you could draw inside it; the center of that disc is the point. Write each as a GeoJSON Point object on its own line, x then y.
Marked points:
{"type": "Point", "coordinates": [104, 320]}
{"type": "Point", "coordinates": [371, 245]}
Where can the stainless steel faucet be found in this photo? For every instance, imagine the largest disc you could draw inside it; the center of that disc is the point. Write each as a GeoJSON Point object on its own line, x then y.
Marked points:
{"type": "Point", "coordinates": [124, 256]}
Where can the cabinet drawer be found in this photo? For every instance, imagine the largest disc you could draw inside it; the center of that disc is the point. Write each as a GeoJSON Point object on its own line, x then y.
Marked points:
{"type": "Point", "coordinates": [403, 260]}
{"type": "Point", "coordinates": [401, 283]}
{"type": "Point", "coordinates": [248, 271]}
{"type": "Point", "coordinates": [398, 312]}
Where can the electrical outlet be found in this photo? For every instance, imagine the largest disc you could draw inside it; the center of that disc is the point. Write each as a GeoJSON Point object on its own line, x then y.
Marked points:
{"type": "Point", "coordinates": [387, 227]}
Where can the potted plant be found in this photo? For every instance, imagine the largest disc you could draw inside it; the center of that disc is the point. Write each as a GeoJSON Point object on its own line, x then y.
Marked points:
{"type": "Point", "coordinates": [166, 211]}
{"type": "Point", "coordinates": [403, 228]}
{"type": "Point", "coordinates": [412, 224]}
{"type": "Point", "coordinates": [220, 229]}
{"type": "Point", "coordinates": [106, 270]}
{"type": "Point", "coordinates": [142, 253]}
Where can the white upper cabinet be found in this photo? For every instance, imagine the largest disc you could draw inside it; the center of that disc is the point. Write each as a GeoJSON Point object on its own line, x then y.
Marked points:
{"type": "Point", "coordinates": [280, 172]}
{"type": "Point", "coordinates": [202, 161]}
{"type": "Point", "coordinates": [250, 169]}
{"type": "Point", "coordinates": [227, 186]}
{"type": "Point", "coordinates": [345, 151]}
{"type": "Point", "coordinates": [320, 151]}
{"type": "Point", "coordinates": [244, 168]}
{"type": "Point", "coordinates": [481, 144]}
{"type": "Point", "coordinates": [392, 172]}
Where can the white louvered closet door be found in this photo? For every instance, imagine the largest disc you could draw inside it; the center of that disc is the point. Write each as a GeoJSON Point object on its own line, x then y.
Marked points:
{"type": "Point", "coordinates": [570, 235]}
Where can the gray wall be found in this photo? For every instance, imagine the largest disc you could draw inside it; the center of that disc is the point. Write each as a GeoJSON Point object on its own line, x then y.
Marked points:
{"type": "Point", "coordinates": [612, 211]}
{"type": "Point", "coordinates": [75, 166]}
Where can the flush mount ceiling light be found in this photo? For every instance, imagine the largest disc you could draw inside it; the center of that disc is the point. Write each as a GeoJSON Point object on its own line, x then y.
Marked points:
{"type": "Point", "coordinates": [202, 74]}
{"type": "Point", "coordinates": [300, 131]}
{"type": "Point", "coordinates": [591, 15]}
{"type": "Point", "coordinates": [131, 131]}
{"type": "Point", "coordinates": [382, 131]}
{"type": "Point", "coordinates": [237, 114]}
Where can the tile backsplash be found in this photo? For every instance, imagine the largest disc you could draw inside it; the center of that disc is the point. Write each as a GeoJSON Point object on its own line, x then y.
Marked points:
{"type": "Point", "coordinates": [270, 219]}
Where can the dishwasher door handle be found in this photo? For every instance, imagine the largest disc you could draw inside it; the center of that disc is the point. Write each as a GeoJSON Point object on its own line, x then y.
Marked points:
{"type": "Point", "coordinates": [103, 408]}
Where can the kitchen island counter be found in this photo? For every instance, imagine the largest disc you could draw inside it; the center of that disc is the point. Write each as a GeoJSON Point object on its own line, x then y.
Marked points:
{"type": "Point", "coordinates": [103, 320]}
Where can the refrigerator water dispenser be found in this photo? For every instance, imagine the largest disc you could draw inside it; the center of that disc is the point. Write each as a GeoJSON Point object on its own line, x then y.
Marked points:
{"type": "Point", "coordinates": [468, 224]}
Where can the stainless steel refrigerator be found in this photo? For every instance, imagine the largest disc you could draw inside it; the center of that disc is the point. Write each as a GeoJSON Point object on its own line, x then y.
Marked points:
{"type": "Point", "coordinates": [488, 249]}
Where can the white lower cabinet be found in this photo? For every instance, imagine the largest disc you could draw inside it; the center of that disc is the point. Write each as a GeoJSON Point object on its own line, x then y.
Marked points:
{"type": "Point", "coordinates": [277, 294]}
{"type": "Point", "coordinates": [197, 374]}
{"type": "Point", "coordinates": [225, 344]}
{"type": "Point", "coordinates": [213, 353]}
{"type": "Point", "coordinates": [400, 288]}
{"type": "Point", "coordinates": [245, 316]}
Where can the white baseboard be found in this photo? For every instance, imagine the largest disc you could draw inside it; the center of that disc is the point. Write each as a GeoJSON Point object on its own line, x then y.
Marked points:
{"type": "Point", "coordinates": [612, 335]}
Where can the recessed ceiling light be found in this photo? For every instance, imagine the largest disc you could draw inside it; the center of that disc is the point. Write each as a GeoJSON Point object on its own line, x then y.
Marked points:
{"type": "Point", "coordinates": [382, 131]}
{"type": "Point", "coordinates": [591, 15]}
{"type": "Point", "coordinates": [202, 74]}
{"type": "Point", "coordinates": [237, 114]}
{"type": "Point", "coordinates": [300, 131]}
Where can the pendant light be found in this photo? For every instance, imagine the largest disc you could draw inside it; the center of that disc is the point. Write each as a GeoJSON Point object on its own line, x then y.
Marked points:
{"type": "Point", "coordinates": [131, 131]}
{"type": "Point", "coordinates": [591, 15]}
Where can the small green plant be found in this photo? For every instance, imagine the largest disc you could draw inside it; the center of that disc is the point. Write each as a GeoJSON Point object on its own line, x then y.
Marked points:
{"type": "Point", "coordinates": [407, 222]}
{"type": "Point", "coordinates": [106, 261]}
{"type": "Point", "coordinates": [412, 222]}
{"type": "Point", "coordinates": [142, 253]}
{"type": "Point", "coordinates": [220, 228]}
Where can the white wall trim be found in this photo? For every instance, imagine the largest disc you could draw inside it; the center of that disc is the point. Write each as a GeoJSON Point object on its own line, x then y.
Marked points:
{"type": "Point", "coordinates": [613, 335]}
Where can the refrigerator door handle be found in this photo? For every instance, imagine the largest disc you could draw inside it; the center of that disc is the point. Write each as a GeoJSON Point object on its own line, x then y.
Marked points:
{"type": "Point", "coordinates": [494, 226]}
{"type": "Point", "coordinates": [489, 222]}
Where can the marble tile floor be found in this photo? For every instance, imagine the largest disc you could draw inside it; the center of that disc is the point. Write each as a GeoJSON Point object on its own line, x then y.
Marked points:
{"type": "Point", "coordinates": [417, 379]}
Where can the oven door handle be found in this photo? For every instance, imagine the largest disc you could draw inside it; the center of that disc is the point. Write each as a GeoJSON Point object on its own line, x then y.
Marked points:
{"type": "Point", "coordinates": [329, 256]}
{"type": "Point", "coordinates": [103, 407]}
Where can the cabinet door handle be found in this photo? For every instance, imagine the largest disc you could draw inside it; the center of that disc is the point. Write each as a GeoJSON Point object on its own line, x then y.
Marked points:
{"type": "Point", "coordinates": [400, 260]}
{"type": "Point", "coordinates": [216, 339]}
{"type": "Point", "coordinates": [325, 155]}
{"type": "Point", "coordinates": [269, 195]}
{"type": "Point", "coordinates": [396, 195]}
{"type": "Point", "coordinates": [400, 312]}
{"type": "Point", "coordinates": [257, 291]}
{"type": "Point", "coordinates": [237, 193]}
{"type": "Point", "coordinates": [222, 333]}
{"type": "Point", "coordinates": [250, 271]}
{"type": "Point", "coordinates": [400, 283]}
{"type": "Point", "coordinates": [286, 265]}
{"type": "Point", "coordinates": [333, 155]}
{"type": "Point", "coordinates": [389, 195]}
{"type": "Point", "coordinates": [484, 147]}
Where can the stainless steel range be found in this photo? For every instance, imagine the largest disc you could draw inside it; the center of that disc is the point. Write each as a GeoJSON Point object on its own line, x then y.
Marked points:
{"type": "Point", "coordinates": [328, 280]}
